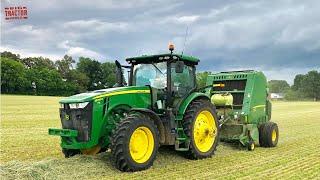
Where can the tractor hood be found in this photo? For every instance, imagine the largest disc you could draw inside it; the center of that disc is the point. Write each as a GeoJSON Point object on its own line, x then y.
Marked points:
{"type": "Point", "coordinates": [89, 96]}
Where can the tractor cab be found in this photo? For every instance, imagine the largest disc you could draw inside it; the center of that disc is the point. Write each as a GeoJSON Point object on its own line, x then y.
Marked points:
{"type": "Point", "coordinates": [171, 77]}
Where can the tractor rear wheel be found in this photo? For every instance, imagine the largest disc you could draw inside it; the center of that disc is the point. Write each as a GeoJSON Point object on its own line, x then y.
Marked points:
{"type": "Point", "coordinates": [268, 134]}
{"type": "Point", "coordinates": [134, 143]}
{"type": "Point", "coordinates": [200, 124]}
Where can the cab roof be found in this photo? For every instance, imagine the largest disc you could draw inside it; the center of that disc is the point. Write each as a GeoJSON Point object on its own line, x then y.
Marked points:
{"type": "Point", "coordinates": [162, 57]}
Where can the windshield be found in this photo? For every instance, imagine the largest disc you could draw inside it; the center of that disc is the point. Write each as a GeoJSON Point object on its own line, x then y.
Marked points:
{"type": "Point", "coordinates": [154, 74]}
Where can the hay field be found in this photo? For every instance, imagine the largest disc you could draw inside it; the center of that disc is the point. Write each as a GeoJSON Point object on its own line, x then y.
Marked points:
{"type": "Point", "coordinates": [28, 152]}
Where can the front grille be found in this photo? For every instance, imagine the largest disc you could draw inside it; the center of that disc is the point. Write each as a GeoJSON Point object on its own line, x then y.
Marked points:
{"type": "Point", "coordinates": [77, 119]}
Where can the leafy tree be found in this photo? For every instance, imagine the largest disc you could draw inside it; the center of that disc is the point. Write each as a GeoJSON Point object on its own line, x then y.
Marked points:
{"type": "Point", "coordinates": [109, 74]}
{"type": "Point", "coordinates": [38, 62]}
{"type": "Point", "coordinates": [292, 95]}
{"type": "Point", "coordinates": [46, 81]}
{"type": "Point", "coordinates": [278, 86]}
{"type": "Point", "coordinates": [78, 79]}
{"type": "Point", "coordinates": [13, 79]}
{"type": "Point", "coordinates": [10, 55]}
{"type": "Point", "coordinates": [310, 85]}
{"type": "Point", "coordinates": [297, 83]}
{"type": "Point", "coordinates": [64, 65]}
{"type": "Point", "coordinates": [202, 78]}
{"type": "Point", "coordinates": [306, 86]}
{"type": "Point", "coordinates": [93, 70]}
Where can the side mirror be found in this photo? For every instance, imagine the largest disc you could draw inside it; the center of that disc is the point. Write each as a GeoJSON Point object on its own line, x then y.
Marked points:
{"type": "Point", "coordinates": [179, 66]}
{"type": "Point", "coordinates": [119, 75]}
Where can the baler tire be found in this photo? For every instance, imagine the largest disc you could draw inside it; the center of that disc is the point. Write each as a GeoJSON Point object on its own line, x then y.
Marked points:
{"type": "Point", "coordinates": [251, 145]}
{"type": "Point", "coordinates": [262, 135]}
{"type": "Point", "coordinates": [120, 143]}
{"type": "Point", "coordinates": [269, 134]}
{"type": "Point", "coordinates": [192, 112]}
{"type": "Point", "coordinates": [70, 152]}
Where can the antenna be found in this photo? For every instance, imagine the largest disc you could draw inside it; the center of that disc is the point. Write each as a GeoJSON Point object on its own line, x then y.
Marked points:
{"type": "Point", "coordinates": [185, 39]}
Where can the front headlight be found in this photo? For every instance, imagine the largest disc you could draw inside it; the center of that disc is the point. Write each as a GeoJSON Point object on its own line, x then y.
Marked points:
{"type": "Point", "coordinates": [78, 105]}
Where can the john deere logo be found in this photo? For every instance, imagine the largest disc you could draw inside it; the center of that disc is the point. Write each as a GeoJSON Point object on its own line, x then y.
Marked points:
{"type": "Point", "coordinates": [67, 117]}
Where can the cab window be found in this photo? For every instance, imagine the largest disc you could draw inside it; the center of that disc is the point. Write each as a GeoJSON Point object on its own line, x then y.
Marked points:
{"type": "Point", "coordinates": [183, 82]}
{"type": "Point", "coordinates": [154, 74]}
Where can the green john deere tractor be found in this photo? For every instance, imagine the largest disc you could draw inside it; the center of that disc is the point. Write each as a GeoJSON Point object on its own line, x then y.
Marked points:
{"type": "Point", "coordinates": [162, 105]}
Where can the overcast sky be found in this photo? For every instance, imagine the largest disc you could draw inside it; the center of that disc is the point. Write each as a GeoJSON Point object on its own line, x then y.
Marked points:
{"type": "Point", "coordinates": [281, 38]}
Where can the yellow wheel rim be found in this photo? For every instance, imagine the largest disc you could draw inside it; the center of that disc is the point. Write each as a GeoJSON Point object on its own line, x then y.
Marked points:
{"type": "Point", "coordinates": [274, 135]}
{"type": "Point", "coordinates": [252, 146]}
{"type": "Point", "coordinates": [141, 144]}
{"type": "Point", "coordinates": [91, 151]}
{"type": "Point", "coordinates": [204, 131]}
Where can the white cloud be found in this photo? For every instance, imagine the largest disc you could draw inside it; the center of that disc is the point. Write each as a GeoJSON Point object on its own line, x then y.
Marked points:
{"type": "Point", "coordinates": [251, 25]}
{"type": "Point", "coordinates": [179, 19]}
{"type": "Point", "coordinates": [27, 53]}
{"type": "Point", "coordinates": [29, 31]}
{"type": "Point", "coordinates": [285, 73]}
{"type": "Point", "coordinates": [187, 19]}
{"type": "Point", "coordinates": [94, 25]}
{"type": "Point", "coordinates": [111, 4]}
{"type": "Point", "coordinates": [64, 45]}
{"type": "Point", "coordinates": [79, 51]}
{"type": "Point", "coordinates": [76, 52]}
{"type": "Point", "coordinates": [307, 36]}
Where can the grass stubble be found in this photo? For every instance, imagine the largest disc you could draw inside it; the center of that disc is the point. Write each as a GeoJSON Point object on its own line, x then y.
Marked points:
{"type": "Point", "coordinates": [28, 152]}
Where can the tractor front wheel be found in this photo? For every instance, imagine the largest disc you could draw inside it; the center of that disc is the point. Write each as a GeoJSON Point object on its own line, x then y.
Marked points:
{"type": "Point", "coordinates": [134, 143]}
{"type": "Point", "coordinates": [201, 126]}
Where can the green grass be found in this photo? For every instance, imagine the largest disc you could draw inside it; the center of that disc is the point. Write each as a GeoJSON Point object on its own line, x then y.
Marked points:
{"type": "Point", "coordinates": [28, 152]}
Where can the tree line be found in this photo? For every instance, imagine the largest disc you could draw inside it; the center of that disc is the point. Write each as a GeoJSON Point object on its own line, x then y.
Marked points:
{"type": "Point", "coordinates": [305, 87]}
{"type": "Point", "coordinates": [64, 77]}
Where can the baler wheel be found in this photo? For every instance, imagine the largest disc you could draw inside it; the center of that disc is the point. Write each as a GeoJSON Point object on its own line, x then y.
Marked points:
{"type": "Point", "coordinates": [134, 143]}
{"type": "Point", "coordinates": [251, 146]}
{"type": "Point", "coordinates": [268, 134]}
{"type": "Point", "coordinates": [200, 124]}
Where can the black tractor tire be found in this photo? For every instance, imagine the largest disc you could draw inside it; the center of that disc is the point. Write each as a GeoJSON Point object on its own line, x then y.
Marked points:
{"type": "Point", "coordinates": [120, 143]}
{"type": "Point", "coordinates": [267, 138]}
{"type": "Point", "coordinates": [192, 112]}
{"type": "Point", "coordinates": [70, 152]}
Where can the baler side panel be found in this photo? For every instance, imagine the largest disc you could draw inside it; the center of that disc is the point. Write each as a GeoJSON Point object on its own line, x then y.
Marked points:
{"type": "Point", "coordinates": [258, 99]}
